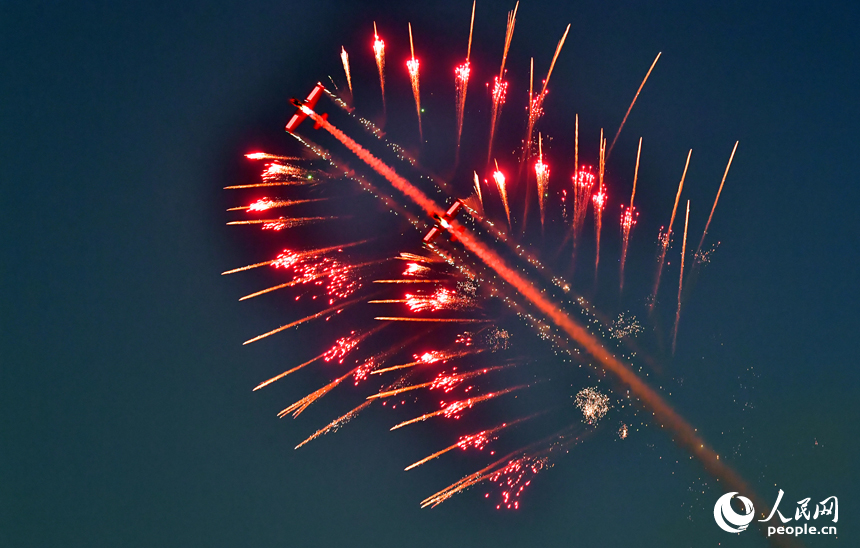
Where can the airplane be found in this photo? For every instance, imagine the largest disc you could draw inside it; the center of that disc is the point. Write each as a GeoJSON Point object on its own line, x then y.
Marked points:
{"type": "Point", "coordinates": [310, 102]}
{"type": "Point", "coordinates": [443, 222]}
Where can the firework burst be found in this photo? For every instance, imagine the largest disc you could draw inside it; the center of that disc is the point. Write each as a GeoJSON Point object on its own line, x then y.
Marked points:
{"type": "Point", "coordinates": [453, 313]}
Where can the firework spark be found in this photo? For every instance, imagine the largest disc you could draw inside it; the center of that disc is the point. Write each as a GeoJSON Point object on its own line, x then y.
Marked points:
{"type": "Point", "coordinates": [265, 204]}
{"type": "Point", "coordinates": [599, 202]}
{"type": "Point", "coordinates": [593, 404]}
{"type": "Point", "coordinates": [461, 82]}
{"type": "Point", "coordinates": [583, 182]}
{"type": "Point", "coordinates": [680, 281]}
{"type": "Point", "coordinates": [717, 199]}
{"type": "Point", "coordinates": [319, 252]}
{"type": "Point", "coordinates": [500, 86]}
{"type": "Point", "coordinates": [542, 178]}
{"type": "Point", "coordinates": [477, 440]}
{"type": "Point", "coordinates": [282, 222]}
{"type": "Point", "coordinates": [536, 101]}
{"type": "Point", "coordinates": [412, 67]}
{"type": "Point", "coordinates": [666, 237]}
{"type": "Point", "coordinates": [379, 55]}
{"type": "Point", "coordinates": [267, 156]}
{"type": "Point", "coordinates": [454, 410]}
{"type": "Point", "coordinates": [623, 121]}
{"type": "Point", "coordinates": [344, 56]}
{"type": "Point", "coordinates": [336, 424]}
{"type": "Point", "coordinates": [499, 179]}
{"type": "Point", "coordinates": [444, 381]}
{"type": "Point", "coordinates": [628, 219]}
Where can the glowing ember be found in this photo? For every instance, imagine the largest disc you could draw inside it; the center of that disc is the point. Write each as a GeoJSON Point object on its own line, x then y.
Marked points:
{"type": "Point", "coordinates": [515, 477]}
{"type": "Point", "coordinates": [281, 172]}
{"type": "Point", "coordinates": [446, 382]}
{"type": "Point", "coordinates": [583, 181]}
{"type": "Point", "coordinates": [345, 58]}
{"type": "Point", "coordinates": [415, 269]}
{"type": "Point", "coordinates": [477, 441]}
{"type": "Point", "coordinates": [363, 371]}
{"type": "Point", "coordinates": [542, 177]}
{"type": "Point", "coordinates": [441, 299]}
{"type": "Point", "coordinates": [593, 404]}
{"type": "Point", "coordinates": [337, 278]}
{"type": "Point", "coordinates": [499, 179]}
{"type": "Point", "coordinates": [379, 55]}
{"type": "Point", "coordinates": [341, 348]}
{"type": "Point", "coordinates": [412, 67]}
{"type": "Point", "coordinates": [431, 357]}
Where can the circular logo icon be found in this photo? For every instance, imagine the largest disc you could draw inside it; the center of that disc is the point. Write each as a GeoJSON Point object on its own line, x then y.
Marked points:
{"type": "Point", "coordinates": [726, 517]}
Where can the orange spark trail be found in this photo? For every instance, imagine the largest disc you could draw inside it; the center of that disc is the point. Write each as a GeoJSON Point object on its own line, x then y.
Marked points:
{"type": "Point", "coordinates": [478, 192]}
{"type": "Point", "coordinates": [628, 219]}
{"type": "Point", "coordinates": [412, 67]}
{"type": "Point", "coordinates": [282, 223]}
{"type": "Point", "coordinates": [288, 372]}
{"type": "Point", "coordinates": [536, 101]}
{"type": "Point", "coordinates": [330, 270]}
{"type": "Point", "coordinates": [465, 441]}
{"type": "Point", "coordinates": [684, 434]}
{"type": "Point", "coordinates": [337, 309]}
{"type": "Point", "coordinates": [266, 156]}
{"type": "Point", "coordinates": [492, 468]}
{"type": "Point", "coordinates": [542, 178]}
{"type": "Point", "coordinates": [435, 320]}
{"type": "Point", "coordinates": [429, 358]}
{"type": "Point", "coordinates": [576, 143]}
{"type": "Point", "coordinates": [500, 86]}
{"type": "Point", "coordinates": [717, 199]}
{"type": "Point", "coordinates": [297, 408]}
{"type": "Point", "coordinates": [666, 238]}
{"type": "Point", "coordinates": [441, 381]}
{"type": "Point", "coordinates": [680, 281]}
{"type": "Point", "coordinates": [300, 254]}
{"type": "Point", "coordinates": [454, 409]}
{"type": "Point", "coordinates": [278, 183]}
{"type": "Point", "coordinates": [265, 204]}
{"type": "Point", "coordinates": [535, 112]}
{"type": "Point", "coordinates": [336, 423]}
{"type": "Point", "coordinates": [461, 82]}
{"type": "Point", "coordinates": [379, 54]}
{"type": "Point", "coordinates": [324, 356]}
{"type": "Point", "coordinates": [345, 58]}
{"type": "Point", "coordinates": [632, 103]}
{"type": "Point", "coordinates": [599, 202]}
{"type": "Point", "coordinates": [499, 178]}
{"type": "Point", "coordinates": [416, 281]}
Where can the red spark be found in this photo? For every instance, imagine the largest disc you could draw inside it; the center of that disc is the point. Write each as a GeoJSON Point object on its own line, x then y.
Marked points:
{"type": "Point", "coordinates": [341, 348]}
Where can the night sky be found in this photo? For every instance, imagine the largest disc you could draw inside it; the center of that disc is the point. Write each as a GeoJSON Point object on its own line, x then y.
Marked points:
{"type": "Point", "coordinates": [126, 411]}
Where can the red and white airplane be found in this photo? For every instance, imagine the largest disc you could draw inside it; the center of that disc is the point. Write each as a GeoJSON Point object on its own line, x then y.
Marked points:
{"type": "Point", "coordinates": [310, 102]}
{"type": "Point", "coordinates": [444, 223]}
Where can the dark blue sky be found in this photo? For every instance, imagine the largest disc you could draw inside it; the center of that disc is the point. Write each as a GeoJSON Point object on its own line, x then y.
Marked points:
{"type": "Point", "coordinates": [126, 416]}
